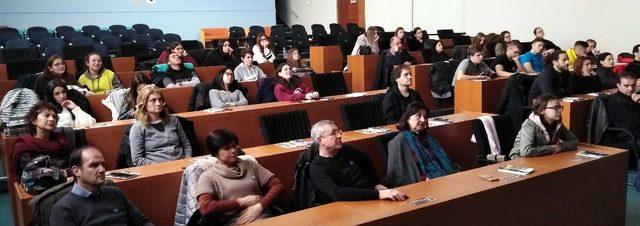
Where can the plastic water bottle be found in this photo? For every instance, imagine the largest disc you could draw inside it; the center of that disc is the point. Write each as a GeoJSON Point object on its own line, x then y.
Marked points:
{"type": "Point", "coordinates": [284, 52]}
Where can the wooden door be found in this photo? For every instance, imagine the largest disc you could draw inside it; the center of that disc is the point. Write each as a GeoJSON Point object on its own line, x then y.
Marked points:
{"type": "Point", "coordinates": [351, 11]}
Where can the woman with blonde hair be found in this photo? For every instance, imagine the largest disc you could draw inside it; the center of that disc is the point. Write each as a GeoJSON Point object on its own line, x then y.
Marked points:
{"type": "Point", "coordinates": [156, 136]}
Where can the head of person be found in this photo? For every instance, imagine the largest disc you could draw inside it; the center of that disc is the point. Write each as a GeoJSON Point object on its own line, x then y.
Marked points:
{"type": "Point", "coordinates": [326, 135]}
{"type": "Point", "coordinates": [93, 62]}
{"type": "Point", "coordinates": [372, 34]}
{"type": "Point", "coordinates": [224, 145]}
{"type": "Point", "coordinates": [558, 59]}
{"type": "Point", "coordinates": [513, 49]}
{"type": "Point", "coordinates": [226, 79]}
{"type": "Point", "coordinates": [476, 54]}
{"type": "Point", "coordinates": [438, 47]}
{"type": "Point", "coordinates": [580, 48]}
{"type": "Point", "coordinates": [175, 47]}
{"type": "Point", "coordinates": [537, 45]}
{"type": "Point", "coordinates": [606, 60]}
{"type": "Point", "coordinates": [592, 44]}
{"type": "Point", "coordinates": [55, 92]}
{"type": "Point", "coordinates": [418, 32]}
{"type": "Point", "coordinates": [150, 101]}
{"type": "Point", "coordinates": [42, 118]}
{"type": "Point", "coordinates": [479, 39]}
{"type": "Point", "coordinates": [415, 118]}
{"type": "Point", "coordinates": [87, 167]}
{"type": "Point", "coordinates": [286, 77]}
{"type": "Point", "coordinates": [399, 33]}
{"type": "Point", "coordinates": [548, 107]}
{"type": "Point", "coordinates": [294, 59]}
{"type": "Point", "coordinates": [583, 66]}
{"type": "Point", "coordinates": [224, 47]}
{"type": "Point", "coordinates": [626, 82]}
{"type": "Point", "coordinates": [174, 60]}
{"type": "Point", "coordinates": [395, 44]}
{"type": "Point", "coordinates": [138, 81]}
{"type": "Point", "coordinates": [538, 32]}
{"type": "Point", "coordinates": [402, 75]}
{"type": "Point", "coordinates": [247, 57]}
{"type": "Point", "coordinates": [636, 51]}
{"type": "Point", "coordinates": [55, 67]}
{"type": "Point", "coordinates": [505, 36]}
{"type": "Point", "coordinates": [263, 41]}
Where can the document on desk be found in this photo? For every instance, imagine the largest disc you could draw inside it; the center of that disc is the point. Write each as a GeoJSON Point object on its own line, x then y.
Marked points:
{"type": "Point", "coordinates": [571, 99]}
{"type": "Point", "coordinates": [523, 171]}
{"type": "Point", "coordinates": [359, 94]}
{"type": "Point", "coordinates": [591, 154]}
{"type": "Point", "coordinates": [374, 130]}
{"type": "Point", "coordinates": [295, 143]}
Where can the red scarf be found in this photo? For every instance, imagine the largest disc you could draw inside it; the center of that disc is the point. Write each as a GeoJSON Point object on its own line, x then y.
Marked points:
{"type": "Point", "coordinates": [57, 144]}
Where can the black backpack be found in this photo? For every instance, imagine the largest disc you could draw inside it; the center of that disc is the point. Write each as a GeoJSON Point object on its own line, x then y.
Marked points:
{"type": "Point", "coordinates": [303, 193]}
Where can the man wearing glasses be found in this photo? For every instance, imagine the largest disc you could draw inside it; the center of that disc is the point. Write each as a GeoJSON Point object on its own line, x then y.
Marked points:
{"type": "Point", "coordinates": [506, 64]}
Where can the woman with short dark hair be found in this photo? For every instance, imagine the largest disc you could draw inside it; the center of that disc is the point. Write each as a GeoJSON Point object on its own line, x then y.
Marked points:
{"type": "Point", "coordinates": [233, 188]}
{"type": "Point", "coordinates": [605, 70]}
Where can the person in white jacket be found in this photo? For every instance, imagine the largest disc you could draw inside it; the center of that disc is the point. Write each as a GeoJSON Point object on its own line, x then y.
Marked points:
{"type": "Point", "coordinates": [69, 114]}
{"type": "Point", "coordinates": [262, 51]}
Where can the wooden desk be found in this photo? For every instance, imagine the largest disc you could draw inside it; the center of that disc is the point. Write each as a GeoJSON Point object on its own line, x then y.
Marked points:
{"type": "Point", "coordinates": [418, 56]}
{"type": "Point", "coordinates": [325, 59]}
{"type": "Point", "coordinates": [122, 64]}
{"type": "Point", "coordinates": [127, 76]}
{"type": "Point", "coordinates": [363, 71]}
{"type": "Point", "coordinates": [208, 73]}
{"type": "Point", "coordinates": [478, 95]}
{"type": "Point", "coordinates": [164, 178]}
{"type": "Point", "coordinates": [560, 192]}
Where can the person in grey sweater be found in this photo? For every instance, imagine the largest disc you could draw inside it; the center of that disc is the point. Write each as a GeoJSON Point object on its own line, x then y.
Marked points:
{"type": "Point", "coordinates": [225, 92]}
{"type": "Point", "coordinates": [156, 136]}
{"type": "Point", "coordinates": [543, 133]}
{"type": "Point", "coordinates": [246, 71]}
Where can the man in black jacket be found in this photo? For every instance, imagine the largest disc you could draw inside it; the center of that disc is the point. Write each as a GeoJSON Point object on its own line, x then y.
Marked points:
{"type": "Point", "coordinates": [634, 66]}
{"type": "Point", "coordinates": [396, 55]}
{"type": "Point", "coordinates": [399, 96]}
{"type": "Point", "coordinates": [624, 106]}
{"type": "Point", "coordinates": [554, 79]}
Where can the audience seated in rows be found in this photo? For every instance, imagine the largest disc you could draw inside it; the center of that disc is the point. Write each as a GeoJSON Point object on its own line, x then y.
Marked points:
{"type": "Point", "coordinates": [90, 201]}
{"type": "Point", "coordinates": [96, 78]}
{"type": "Point", "coordinates": [262, 51]}
{"type": "Point", "coordinates": [246, 71]}
{"type": "Point", "coordinates": [176, 47]}
{"type": "Point", "coordinates": [72, 107]}
{"type": "Point", "coordinates": [174, 73]}
{"type": "Point", "coordinates": [156, 136]}
{"type": "Point", "coordinates": [226, 91]}
{"type": "Point", "coordinates": [289, 87]}
{"type": "Point", "coordinates": [532, 61]}
{"type": "Point", "coordinates": [507, 64]}
{"type": "Point", "coordinates": [398, 97]}
{"type": "Point", "coordinates": [473, 67]}
{"type": "Point", "coordinates": [339, 172]}
{"type": "Point", "coordinates": [554, 79]}
{"type": "Point", "coordinates": [233, 190]}
{"type": "Point", "coordinates": [299, 66]}
{"type": "Point", "coordinates": [395, 55]}
{"type": "Point", "coordinates": [414, 155]}
{"type": "Point", "coordinates": [584, 79]}
{"type": "Point", "coordinates": [605, 71]}
{"type": "Point", "coordinates": [55, 69]}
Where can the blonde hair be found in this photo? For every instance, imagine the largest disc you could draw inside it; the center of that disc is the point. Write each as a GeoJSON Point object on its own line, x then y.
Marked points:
{"type": "Point", "coordinates": [141, 113]}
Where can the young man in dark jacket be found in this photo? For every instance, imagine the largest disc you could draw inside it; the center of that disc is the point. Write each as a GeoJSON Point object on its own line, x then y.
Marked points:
{"type": "Point", "coordinates": [554, 79]}
{"type": "Point", "coordinates": [399, 96]}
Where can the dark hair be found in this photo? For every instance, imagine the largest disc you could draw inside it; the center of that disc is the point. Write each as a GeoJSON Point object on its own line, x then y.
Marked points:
{"type": "Point", "coordinates": [504, 33]}
{"type": "Point", "coordinates": [245, 52]}
{"type": "Point", "coordinates": [536, 29]}
{"type": "Point", "coordinates": [221, 46]}
{"type": "Point", "coordinates": [515, 43]}
{"type": "Point", "coordinates": [581, 43]}
{"type": "Point", "coordinates": [220, 138]}
{"type": "Point", "coordinates": [48, 93]}
{"type": "Point", "coordinates": [537, 40]}
{"type": "Point", "coordinates": [219, 81]}
{"type": "Point", "coordinates": [415, 29]}
{"type": "Point", "coordinates": [397, 70]}
{"type": "Point", "coordinates": [626, 75]}
{"type": "Point", "coordinates": [86, 60]}
{"type": "Point", "coordinates": [412, 109]}
{"type": "Point", "coordinates": [478, 39]}
{"type": "Point", "coordinates": [50, 73]}
{"type": "Point", "coordinates": [170, 48]}
{"type": "Point", "coordinates": [472, 50]}
{"type": "Point", "coordinates": [260, 47]}
{"type": "Point", "coordinates": [591, 40]}
{"type": "Point", "coordinates": [398, 29]}
{"type": "Point", "coordinates": [293, 82]}
{"type": "Point", "coordinates": [33, 113]}
{"type": "Point", "coordinates": [75, 158]}
{"type": "Point", "coordinates": [635, 48]}
{"type": "Point", "coordinates": [540, 103]}
{"type": "Point", "coordinates": [577, 65]}
{"type": "Point", "coordinates": [548, 60]}
{"type": "Point", "coordinates": [138, 79]}
{"type": "Point", "coordinates": [604, 55]}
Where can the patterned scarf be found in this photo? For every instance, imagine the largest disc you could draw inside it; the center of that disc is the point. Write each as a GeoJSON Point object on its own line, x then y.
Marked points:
{"type": "Point", "coordinates": [432, 162]}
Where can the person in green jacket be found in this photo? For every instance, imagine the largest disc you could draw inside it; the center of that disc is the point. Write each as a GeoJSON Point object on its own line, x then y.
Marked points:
{"type": "Point", "coordinates": [543, 133]}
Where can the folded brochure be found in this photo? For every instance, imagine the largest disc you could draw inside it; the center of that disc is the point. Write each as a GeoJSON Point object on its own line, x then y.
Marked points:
{"type": "Point", "coordinates": [515, 170]}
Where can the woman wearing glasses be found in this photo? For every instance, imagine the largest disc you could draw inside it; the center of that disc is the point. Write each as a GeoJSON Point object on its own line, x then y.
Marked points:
{"type": "Point", "coordinates": [156, 136]}
{"type": "Point", "coordinates": [262, 51]}
{"type": "Point", "coordinates": [543, 133]}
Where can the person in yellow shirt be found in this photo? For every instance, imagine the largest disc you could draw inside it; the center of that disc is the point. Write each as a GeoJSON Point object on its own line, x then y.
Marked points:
{"type": "Point", "coordinates": [579, 49]}
{"type": "Point", "coordinates": [97, 78]}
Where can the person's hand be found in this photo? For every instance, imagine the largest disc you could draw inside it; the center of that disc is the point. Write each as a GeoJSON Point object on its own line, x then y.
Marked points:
{"type": "Point", "coordinates": [380, 187]}
{"type": "Point", "coordinates": [392, 194]}
{"type": "Point", "coordinates": [69, 104]}
{"type": "Point", "coordinates": [249, 200]}
{"type": "Point", "coordinates": [635, 97]}
{"type": "Point", "coordinates": [315, 95]}
{"type": "Point", "coordinates": [556, 148]}
{"type": "Point", "coordinates": [250, 214]}
{"type": "Point", "coordinates": [89, 93]}
{"type": "Point", "coordinates": [407, 63]}
{"type": "Point", "coordinates": [232, 104]}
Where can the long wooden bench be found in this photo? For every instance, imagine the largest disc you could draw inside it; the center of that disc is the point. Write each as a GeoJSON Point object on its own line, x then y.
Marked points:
{"type": "Point", "coordinates": [165, 177]}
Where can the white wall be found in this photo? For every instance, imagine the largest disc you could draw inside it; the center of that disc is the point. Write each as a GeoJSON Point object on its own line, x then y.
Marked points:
{"type": "Point", "coordinates": [308, 12]}
{"type": "Point", "coordinates": [613, 23]}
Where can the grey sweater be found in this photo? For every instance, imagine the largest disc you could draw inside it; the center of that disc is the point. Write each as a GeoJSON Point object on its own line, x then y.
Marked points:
{"type": "Point", "coordinates": [534, 140]}
{"type": "Point", "coordinates": [149, 145]}
{"type": "Point", "coordinates": [222, 99]}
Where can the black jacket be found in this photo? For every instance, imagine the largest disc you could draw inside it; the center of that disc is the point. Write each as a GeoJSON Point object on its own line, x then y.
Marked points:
{"type": "Point", "coordinates": [513, 100]}
{"type": "Point", "coordinates": [608, 77]}
{"type": "Point", "coordinates": [199, 99]}
{"type": "Point", "coordinates": [265, 91]}
{"type": "Point", "coordinates": [394, 104]}
{"type": "Point", "coordinates": [550, 81]}
{"type": "Point", "coordinates": [442, 74]}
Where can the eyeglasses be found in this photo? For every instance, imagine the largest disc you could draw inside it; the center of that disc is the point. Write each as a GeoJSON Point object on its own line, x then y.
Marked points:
{"type": "Point", "coordinates": [264, 39]}
{"type": "Point", "coordinates": [557, 107]}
